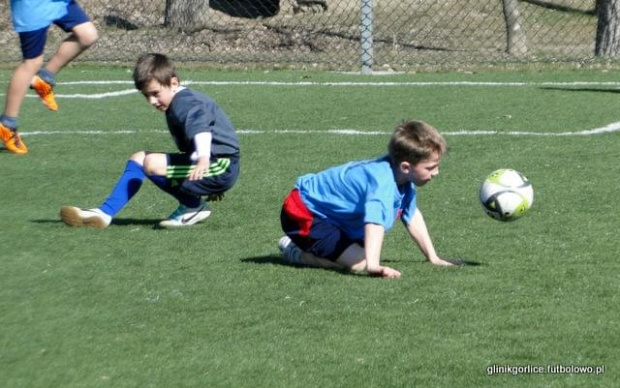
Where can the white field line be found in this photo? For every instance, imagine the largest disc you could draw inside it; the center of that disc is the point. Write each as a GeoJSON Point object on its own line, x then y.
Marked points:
{"type": "Point", "coordinates": [396, 84]}
{"type": "Point", "coordinates": [310, 83]}
{"type": "Point", "coordinates": [613, 127]}
{"type": "Point", "coordinates": [92, 96]}
{"type": "Point", "coordinates": [97, 96]}
{"type": "Point", "coordinates": [331, 84]}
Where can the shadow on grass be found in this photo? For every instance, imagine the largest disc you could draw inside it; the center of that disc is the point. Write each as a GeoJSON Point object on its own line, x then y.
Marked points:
{"type": "Point", "coordinates": [269, 259]}
{"type": "Point", "coordinates": [457, 263]}
{"type": "Point", "coordinates": [135, 221]}
{"type": "Point", "coordinates": [277, 260]}
{"type": "Point", "coordinates": [464, 263]}
{"type": "Point", "coordinates": [569, 89]}
{"type": "Point", "coordinates": [116, 221]}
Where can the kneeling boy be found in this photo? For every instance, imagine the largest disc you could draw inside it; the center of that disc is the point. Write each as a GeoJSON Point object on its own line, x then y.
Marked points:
{"type": "Point", "coordinates": [337, 218]}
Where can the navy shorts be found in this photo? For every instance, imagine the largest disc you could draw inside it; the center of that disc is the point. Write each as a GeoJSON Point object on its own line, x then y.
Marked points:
{"type": "Point", "coordinates": [33, 42]}
{"type": "Point", "coordinates": [311, 233]}
{"type": "Point", "coordinates": [221, 177]}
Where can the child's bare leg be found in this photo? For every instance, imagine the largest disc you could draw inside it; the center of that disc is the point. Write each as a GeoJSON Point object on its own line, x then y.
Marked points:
{"type": "Point", "coordinates": [310, 260]}
{"type": "Point", "coordinates": [82, 37]}
{"type": "Point", "coordinates": [20, 82]}
{"type": "Point", "coordinates": [155, 163]}
{"type": "Point", "coordinates": [353, 258]}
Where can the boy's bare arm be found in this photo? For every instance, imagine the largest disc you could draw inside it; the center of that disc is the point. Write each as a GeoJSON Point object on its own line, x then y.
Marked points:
{"type": "Point", "coordinates": [419, 232]}
{"type": "Point", "coordinates": [373, 241]}
{"type": "Point", "coordinates": [202, 156]}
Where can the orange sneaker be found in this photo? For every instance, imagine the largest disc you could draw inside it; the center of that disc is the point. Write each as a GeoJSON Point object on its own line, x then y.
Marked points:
{"type": "Point", "coordinates": [12, 141]}
{"type": "Point", "coordinates": [44, 90]}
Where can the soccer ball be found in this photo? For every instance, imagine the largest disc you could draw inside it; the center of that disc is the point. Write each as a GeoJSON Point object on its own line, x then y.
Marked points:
{"type": "Point", "coordinates": [506, 195]}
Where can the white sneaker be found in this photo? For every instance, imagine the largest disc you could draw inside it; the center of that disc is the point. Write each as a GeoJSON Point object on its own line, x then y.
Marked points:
{"type": "Point", "coordinates": [185, 216]}
{"type": "Point", "coordinates": [91, 218]}
{"type": "Point", "coordinates": [290, 251]}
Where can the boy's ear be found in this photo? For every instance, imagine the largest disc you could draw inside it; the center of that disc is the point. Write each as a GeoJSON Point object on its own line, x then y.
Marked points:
{"type": "Point", "coordinates": [174, 83]}
{"type": "Point", "coordinates": [405, 167]}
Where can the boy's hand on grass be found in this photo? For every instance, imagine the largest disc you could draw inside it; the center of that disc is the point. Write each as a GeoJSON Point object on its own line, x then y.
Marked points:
{"type": "Point", "coordinates": [384, 272]}
{"type": "Point", "coordinates": [390, 273]}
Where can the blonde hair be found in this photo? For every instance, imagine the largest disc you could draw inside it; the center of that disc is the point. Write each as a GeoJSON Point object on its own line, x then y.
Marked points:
{"type": "Point", "coordinates": [415, 141]}
{"type": "Point", "coordinates": [153, 66]}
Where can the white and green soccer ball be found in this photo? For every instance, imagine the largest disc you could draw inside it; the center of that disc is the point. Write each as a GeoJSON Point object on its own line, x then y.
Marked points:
{"type": "Point", "coordinates": [506, 194]}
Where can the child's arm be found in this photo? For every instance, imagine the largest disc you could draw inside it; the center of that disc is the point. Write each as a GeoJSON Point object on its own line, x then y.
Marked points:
{"type": "Point", "coordinates": [202, 156]}
{"type": "Point", "coordinates": [418, 231]}
{"type": "Point", "coordinates": [373, 241]}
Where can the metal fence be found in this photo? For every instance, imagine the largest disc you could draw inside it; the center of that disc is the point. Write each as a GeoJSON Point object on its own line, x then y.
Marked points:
{"type": "Point", "coordinates": [334, 33]}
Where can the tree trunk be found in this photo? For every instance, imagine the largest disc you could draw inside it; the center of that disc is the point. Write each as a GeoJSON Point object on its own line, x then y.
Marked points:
{"type": "Point", "coordinates": [516, 42]}
{"type": "Point", "coordinates": [608, 29]}
{"type": "Point", "coordinates": [187, 15]}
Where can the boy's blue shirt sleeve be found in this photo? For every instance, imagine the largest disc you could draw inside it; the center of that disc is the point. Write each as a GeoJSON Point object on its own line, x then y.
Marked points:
{"type": "Point", "coordinates": [409, 205]}
{"type": "Point", "coordinates": [379, 202]}
{"type": "Point", "coordinates": [386, 203]}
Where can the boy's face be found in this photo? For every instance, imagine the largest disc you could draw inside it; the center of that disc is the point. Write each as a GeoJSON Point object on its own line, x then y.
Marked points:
{"type": "Point", "coordinates": [158, 95]}
{"type": "Point", "coordinates": [423, 172]}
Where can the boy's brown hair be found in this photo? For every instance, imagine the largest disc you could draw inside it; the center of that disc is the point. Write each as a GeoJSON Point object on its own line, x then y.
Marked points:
{"type": "Point", "coordinates": [156, 67]}
{"type": "Point", "coordinates": [415, 141]}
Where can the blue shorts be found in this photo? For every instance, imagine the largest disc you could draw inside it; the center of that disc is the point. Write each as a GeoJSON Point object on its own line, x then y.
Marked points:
{"type": "Point", "coordinates": [33, 42]}
{"type": "Point", "coordinates": [311, 233]}
{"type": "Point", "coordinates": [221, 177]}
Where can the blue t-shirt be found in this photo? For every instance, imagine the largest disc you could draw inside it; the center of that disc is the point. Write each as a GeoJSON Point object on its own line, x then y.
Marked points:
{"type": "Point", "coordinates": [192, 112]}
{"type": "Point", "coordinates": [358, 193]}
{"type": "Point", "coordinates": [32, 15]}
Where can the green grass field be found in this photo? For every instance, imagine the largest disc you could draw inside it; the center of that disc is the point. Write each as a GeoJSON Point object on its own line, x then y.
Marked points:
{"type": "Point", "coordinates": [213, 306]}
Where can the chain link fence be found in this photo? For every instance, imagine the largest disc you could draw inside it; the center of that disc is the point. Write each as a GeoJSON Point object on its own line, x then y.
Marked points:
{"type": "Point", "coordinates": [397, 33]}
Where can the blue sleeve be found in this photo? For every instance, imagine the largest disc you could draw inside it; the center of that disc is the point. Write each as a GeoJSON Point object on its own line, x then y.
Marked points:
{"type": "Point", "coordinates": [409, 205]}
{"type": "Point", "coordinates": [374, 212]}
{"type": "Point", "coordinates": [378, 208]}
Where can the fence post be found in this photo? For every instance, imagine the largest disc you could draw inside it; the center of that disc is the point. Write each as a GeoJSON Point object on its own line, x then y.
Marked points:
{"type": "Point", "coordinates": [366, 36]}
